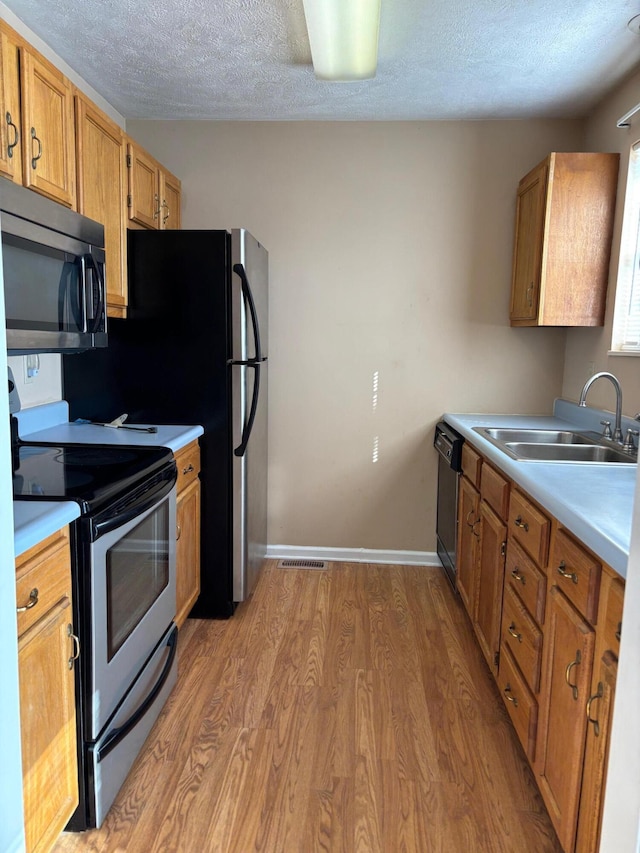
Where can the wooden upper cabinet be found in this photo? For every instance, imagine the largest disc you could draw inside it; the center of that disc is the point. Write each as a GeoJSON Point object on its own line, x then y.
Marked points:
{"type": "Point", "coordinates": [154, 194]}
{"type": "Point", "coordinates": [170, 197]}
{"type": "Point", "coordinates": [564, 226]}
{"type": "Point", "coordinates": [102, 191]}
{"type": "Point", "coordinates": [10, 120]}
{"type": "Point", "coordinates": [48, 139]}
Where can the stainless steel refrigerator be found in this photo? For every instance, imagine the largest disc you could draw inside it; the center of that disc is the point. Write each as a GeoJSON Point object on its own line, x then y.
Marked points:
{"type": "Point", "coordinates": [194, 350]}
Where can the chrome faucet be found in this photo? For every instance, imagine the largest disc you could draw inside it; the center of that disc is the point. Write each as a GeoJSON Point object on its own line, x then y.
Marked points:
{"type": "Point", "coordinates": [617, 431]}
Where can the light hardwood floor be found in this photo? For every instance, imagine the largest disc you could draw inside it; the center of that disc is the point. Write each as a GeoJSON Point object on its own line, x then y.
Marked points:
{"type": "Point", "coordinates": [345, 710]}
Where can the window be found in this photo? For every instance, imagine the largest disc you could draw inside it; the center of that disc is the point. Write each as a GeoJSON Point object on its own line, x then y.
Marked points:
{"type": "Point", "coordinates": [626, 319]}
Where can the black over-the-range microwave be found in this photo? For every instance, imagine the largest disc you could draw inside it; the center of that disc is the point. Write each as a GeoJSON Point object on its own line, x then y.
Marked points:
{"type": "Point", "coordinates": [54, 275]}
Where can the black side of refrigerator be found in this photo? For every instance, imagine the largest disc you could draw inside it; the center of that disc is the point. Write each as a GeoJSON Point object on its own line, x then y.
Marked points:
{"type": "Point", "coordinates": [167, 363]}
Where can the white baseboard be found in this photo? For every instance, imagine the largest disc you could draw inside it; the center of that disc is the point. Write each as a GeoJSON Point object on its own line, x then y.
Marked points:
{"type": "Point", "coordinates": [353, 555]}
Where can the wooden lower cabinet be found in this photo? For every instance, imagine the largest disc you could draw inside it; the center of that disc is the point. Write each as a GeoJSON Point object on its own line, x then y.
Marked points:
{"type": "Point", "coordinates": [188, 531]}
{"type": "Point", "coordinates": [548, 619]}
{"type": "Point", "coordinates": [569, 648]}
{"type": "Point", "coordinates": [490, 567]}
{"type": "Point", "coordinates": [47, 649]}
{"type": "Point", "coordinates": [468, 535]}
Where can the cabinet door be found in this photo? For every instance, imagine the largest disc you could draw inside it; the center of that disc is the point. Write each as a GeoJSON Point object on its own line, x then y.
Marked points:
{"type": "Point", "coordinates": [101, 192]}
{"type": "Point", "coordinates": [10, 122]}
{"type": "Point", "coordinates": [48, 726]}
{"type": "Point", "coordinates": [48, 145]}
{"type": "Point", "coordinates": [170, 199]}
{"type": "Point", "coordinates": [493, 536]}
{"type": "Point", "coordinates": [569, 642]}
{"type": "Point", "coordinates": [599, 713]}
{"type": "Point", "coordinates": [527, 259]}
{"type": "Point", "coordinates": [468, 526]}
{"type": "Point", "coordinates": [187, 550]}
{"type": "Point", "coordinates": [143, 201]}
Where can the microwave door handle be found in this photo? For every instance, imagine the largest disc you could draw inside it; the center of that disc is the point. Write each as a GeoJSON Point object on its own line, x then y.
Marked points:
{"type": "Point", "coordinates": [82, 295]}
{"type": "Point", "coordinates": [90, 261]}
{"type": "Point", "coordinates": [239, 270]}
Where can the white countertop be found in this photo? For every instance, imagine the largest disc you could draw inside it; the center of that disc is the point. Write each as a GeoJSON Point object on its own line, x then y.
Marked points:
{"type": "Point", "coordinates": [594, 501]}
{"type": "Point", "coordinates": [33, 521]}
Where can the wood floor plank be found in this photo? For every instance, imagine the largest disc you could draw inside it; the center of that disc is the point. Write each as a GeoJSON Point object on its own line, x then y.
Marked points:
{"type": "Point", "coordinates": [341, 710]}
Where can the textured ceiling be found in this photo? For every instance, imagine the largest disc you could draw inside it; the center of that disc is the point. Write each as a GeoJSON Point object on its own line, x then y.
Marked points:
{"type": "Point", "coordinates": [250, 59]}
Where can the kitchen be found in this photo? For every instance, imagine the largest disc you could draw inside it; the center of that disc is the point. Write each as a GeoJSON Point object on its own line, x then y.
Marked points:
{"type": "Point", "coordinates": [384, 302]}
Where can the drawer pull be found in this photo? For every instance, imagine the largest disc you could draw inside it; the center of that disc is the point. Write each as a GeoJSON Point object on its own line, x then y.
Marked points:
{"type": "Point", "coordinates": [618, 633]}
{"type": "Point", "coordinates": [178, 532]}
{"type": "Point", "coordinates": [571, 575]}
{"type": "Point", "coordinates": [188, 469]}
{"type": "Point", "coordinates": [76, 646]}
{"type": "Point", "coordinates": [33, 600]}
{"type": "Point", "coordinates": [520, 523]}
{"type": "Point", "coordinates": [598, 695]}
{"type": "Point", "coordinates": [514, 699]}
{"type": "Point", "coordinates": [35, 138]}
{"type": "Point", "coordinates": [516, 574]}
{"type": "Point", "coordinates": [567, 674]}
{"type": "Point", "coordinates": [512, 630]}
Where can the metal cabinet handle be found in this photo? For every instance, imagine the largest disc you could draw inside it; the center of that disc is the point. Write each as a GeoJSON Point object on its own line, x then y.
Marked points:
{"type": "Point", "coordinates": [520, 523]}
{"type": "Point", "coordinates": [516, 574]}
{"type": "Point", "coordinates": [156, 213]}
{"type": "Point", "coordinates": [618, 633]}
{"type": "Point", "coordinates": [190, 468]}
{"type": "Point", "coordinates": [512, 630]}
{"type": "Point", "coordinates": [529, 295]}
{"type": "Point", "coordinates": [34, 160]}
{"type": "Point", "coordinates": [178, 532]}
{"type": "Point", "coordinates": [76, 646]}
{"type": "Point", "coordinates": [168, 213]}
{"type": "Point", "coordinates": [596, 723]}
{"type": "Point", "coordinates": [567, 674]}
{"type": "Point", "coordinates": [514, 699]}
{"type": "Point", "coordinates": [33, 600]}
{"type": "Point", "coordinates": [469, 523]}
{"type": "Point", "coordinates": [571, 575]}
{"type": "Point", "coordinates": [16, 137]}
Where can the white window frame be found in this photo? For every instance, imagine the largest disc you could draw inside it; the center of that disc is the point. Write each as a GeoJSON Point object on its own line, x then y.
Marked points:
{"type": "Point", "coordinates": [625, 339]}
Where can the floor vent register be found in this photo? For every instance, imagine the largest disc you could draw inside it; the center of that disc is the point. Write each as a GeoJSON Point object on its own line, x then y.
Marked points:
{"type": "Point", "coordinates": [302, 564]}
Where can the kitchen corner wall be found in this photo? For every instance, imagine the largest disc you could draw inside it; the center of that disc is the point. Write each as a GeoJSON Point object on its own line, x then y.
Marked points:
{"type": "Point", "coordinates": [390, 249]}
{"type": "Point", "coordinates": [587, 349]}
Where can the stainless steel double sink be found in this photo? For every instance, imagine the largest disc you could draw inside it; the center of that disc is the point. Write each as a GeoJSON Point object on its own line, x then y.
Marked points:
{"type": "Point", "coordinates": [549, 445]}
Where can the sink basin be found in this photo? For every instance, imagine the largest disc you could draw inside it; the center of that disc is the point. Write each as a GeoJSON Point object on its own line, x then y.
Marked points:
{"type": "Point", "coordinates": [555, 445]}
{"type": "Point", "coordinates": [536, 436]}
{"type": "Point", "coordinates": [568, 452]}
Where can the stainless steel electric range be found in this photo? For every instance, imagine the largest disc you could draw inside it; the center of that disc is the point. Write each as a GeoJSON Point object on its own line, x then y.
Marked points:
{"type": "Point", "coordinates": [124, 588]}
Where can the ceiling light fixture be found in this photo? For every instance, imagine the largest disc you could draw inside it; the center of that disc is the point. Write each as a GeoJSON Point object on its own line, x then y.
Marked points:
{"type": "Point", "coordinates": [343, 35]}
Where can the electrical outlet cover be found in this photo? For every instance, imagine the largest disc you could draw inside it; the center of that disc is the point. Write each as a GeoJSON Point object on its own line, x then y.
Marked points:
{"type": "Point", "coordinates": [14, 399]}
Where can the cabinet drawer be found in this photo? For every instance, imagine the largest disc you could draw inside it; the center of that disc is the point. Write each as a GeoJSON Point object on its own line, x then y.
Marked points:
{"type": "Point", "coordinates": [521, 704]}
{"type": "Point", "coordinates": [529, 527]}
{"type": "Point", "coordinates": [613, 616]}
{"type": "Point", "coordinates": [495, 490]}
{"type": "Point", "coordinates": [523, 638]}
{"type": "Point", "coordinates": [40, 585]}
{"type": "Point", "coordinates": [471, 464]}
{"type": "Point", "coordinates": [526, 579]}
{"type": "Point", "coordinates": [188, 463]}
{"type": "Point", "coordinates": [577, 573]}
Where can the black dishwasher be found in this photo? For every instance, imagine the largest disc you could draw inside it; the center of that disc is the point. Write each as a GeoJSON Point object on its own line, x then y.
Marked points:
{"type": "Point", "coordinates": [448, 443]}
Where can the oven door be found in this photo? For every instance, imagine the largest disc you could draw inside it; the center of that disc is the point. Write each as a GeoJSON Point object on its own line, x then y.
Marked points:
{"type": "Point", "coordinates": [133, 599]}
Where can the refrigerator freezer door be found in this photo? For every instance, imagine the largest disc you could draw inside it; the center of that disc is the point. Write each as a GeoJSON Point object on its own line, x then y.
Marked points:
{"type": "Point", "coordinates": [249, 476]}
{"type": "Point", "coordinates": [253, 257]}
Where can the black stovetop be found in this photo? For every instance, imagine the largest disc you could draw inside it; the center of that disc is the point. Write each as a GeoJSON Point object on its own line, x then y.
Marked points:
{"type": "Point", "coordinates": [92, 475]}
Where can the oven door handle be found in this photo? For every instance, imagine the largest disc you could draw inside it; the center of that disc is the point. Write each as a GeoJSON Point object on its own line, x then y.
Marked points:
{"type": "Point", "coordinates": [103, 524]}
{"type": "Point", "coordinates": [114, 737]}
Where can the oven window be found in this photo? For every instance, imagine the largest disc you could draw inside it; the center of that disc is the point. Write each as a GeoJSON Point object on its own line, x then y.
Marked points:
{"type": "Point", "coordinates": [137, 573]}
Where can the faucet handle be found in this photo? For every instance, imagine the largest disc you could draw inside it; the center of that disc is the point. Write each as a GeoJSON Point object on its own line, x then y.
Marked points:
{"type": "Point", "coordinates": [606, 432]}
{"type": "Point", "coordinates": [629, 444]}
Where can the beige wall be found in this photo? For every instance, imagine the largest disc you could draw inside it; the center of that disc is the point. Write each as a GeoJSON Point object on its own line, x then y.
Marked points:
{"type": "Point", "coordinates": [587, 349]}
{"type": "Point", "coordinates": [390, 255]}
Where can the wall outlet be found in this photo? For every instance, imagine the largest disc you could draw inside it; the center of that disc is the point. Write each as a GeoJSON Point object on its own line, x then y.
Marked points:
{"type": "Point", "coordinates": [31, 367]}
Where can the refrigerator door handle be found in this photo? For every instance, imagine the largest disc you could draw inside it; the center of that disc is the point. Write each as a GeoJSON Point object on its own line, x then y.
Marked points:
{"type": "Point", "coordinates": [241, 449]}
{"type": "Point", "coordinates": [239, 270]}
